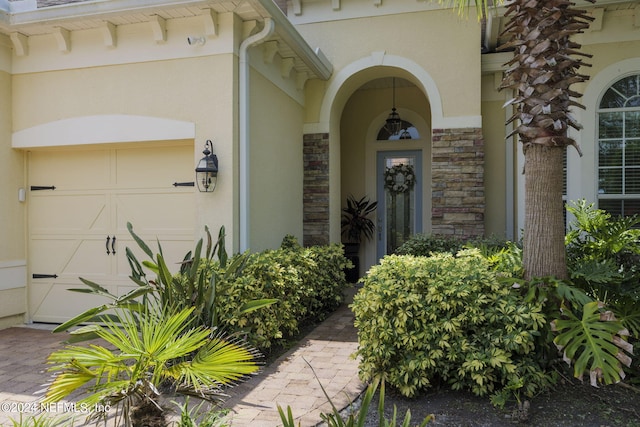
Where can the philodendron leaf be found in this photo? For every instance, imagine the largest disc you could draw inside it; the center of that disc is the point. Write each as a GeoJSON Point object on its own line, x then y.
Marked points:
{"type": "Point", "coordinates": [594, 344]}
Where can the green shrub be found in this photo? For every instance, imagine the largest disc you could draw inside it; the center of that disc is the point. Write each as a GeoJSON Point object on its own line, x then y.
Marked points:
{"type": "Point", "coordinates": [268, 274]}
{"type": "Point", "coordinates": [603, 253]}
{"type": "Point", "coordinates": [326, 278]}
{"type": "Point", "coordinates": [425, 320]}
{"type": "Point", "coordinates": [307, 282]}
{"type": "Point", "coordinates": [603, 258]}
{"type": "Point", "coordinates": [426, 244]}
{"type": "Point", "coordinates": [321, 269]}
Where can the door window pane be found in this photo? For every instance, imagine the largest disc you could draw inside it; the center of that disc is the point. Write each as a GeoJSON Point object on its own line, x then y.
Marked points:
{"type": "Point", "coordinates": [400, 179]}
{"type": "Point", "coordinates": [399, 198]}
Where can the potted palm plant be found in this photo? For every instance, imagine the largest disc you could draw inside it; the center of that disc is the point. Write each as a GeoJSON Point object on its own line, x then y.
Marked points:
{"type": "Point", "coordinates": [356, 227]}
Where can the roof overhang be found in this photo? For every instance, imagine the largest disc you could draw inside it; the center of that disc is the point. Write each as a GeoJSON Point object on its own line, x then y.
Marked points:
{"type": "Point", "coordinates": [494, 23]}
{"type": "Point", "coordinates": [24, 17]}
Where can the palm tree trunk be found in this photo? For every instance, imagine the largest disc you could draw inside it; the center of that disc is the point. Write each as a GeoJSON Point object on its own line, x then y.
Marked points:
{"type": "Point", "coordinates": [543, 68]}
{"type": "Point", "coordinates": [544, 249]}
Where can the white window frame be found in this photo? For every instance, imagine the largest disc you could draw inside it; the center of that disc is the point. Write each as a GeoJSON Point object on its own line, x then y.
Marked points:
{"type": "Point", "coordinates": [582, 172]}
{"type": "Point", "coordinates": [623, 195]}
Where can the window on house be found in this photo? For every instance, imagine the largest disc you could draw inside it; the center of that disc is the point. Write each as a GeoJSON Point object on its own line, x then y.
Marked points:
{"type": "Point", "coordinates": [619, 148]}
{"type": "Point", "coordinates": [407, 131]}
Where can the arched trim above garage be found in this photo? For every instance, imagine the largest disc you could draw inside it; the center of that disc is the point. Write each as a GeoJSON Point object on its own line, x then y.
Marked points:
{"type": "Point", "coordinates": [111, 128]}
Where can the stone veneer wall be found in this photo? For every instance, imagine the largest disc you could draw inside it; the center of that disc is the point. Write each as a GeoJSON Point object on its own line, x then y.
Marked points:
{"type": "Point", "coordinates": [458, 202]}
{"type": "Point", "coordinates": [316, 189]}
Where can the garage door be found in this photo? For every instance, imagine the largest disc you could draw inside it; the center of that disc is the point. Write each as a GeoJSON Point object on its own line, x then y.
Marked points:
{"type": "Point", "coordinates": [79, 204]}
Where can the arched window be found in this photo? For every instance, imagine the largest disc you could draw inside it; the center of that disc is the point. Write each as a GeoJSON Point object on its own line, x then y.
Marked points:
{"type": "Point", "coordinates": [407, 131]}
{"type": "Point", "coordinates": [619, 147]}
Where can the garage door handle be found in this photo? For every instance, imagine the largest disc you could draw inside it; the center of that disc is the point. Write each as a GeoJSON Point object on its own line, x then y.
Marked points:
{"type": "Point", "coordinates": [107, 245]}
{"type": "Point", "coordinates": [113, 245]}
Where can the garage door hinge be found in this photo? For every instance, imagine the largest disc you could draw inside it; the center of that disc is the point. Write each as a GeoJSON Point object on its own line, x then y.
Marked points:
{"type": "Point", "coordinates": [42, 187]}
{"type": "Point", "coordinates": [184, 184]}
{"type": "Point", "coordinates": [44, 276]}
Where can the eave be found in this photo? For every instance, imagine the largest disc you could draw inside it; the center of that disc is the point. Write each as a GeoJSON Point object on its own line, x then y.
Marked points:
{"type": "Point", "coordinates": [22, 19]}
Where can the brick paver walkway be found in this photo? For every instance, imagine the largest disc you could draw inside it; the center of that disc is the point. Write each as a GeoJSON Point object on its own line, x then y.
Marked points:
{"type": "Point", "coordinates": [287, 381]}
{"type": "Point", "coordinates": [291, 381]}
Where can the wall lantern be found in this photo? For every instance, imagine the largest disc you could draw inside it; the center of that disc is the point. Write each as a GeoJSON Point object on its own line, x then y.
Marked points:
{"type": "Point", "coordinates": [207, 170]}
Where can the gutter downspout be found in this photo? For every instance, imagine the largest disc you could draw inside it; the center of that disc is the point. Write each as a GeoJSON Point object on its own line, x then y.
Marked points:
{"type": "Point", "coordinates": [244, 154]}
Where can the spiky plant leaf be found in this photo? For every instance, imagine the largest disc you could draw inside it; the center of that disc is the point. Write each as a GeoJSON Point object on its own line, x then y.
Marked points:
{"type": "Point", "coordinates": [43, 420]}
{"type": "Point", "coordinates": [94, 288]}
{"type": "Point", "coordinates": [139, 241]}
{"type": "Point", "coordinates": [593, 344]}
{"type": "Point", "coordinates": [287, 420]}
{"type": "Point", "coordinates": [82, 317]}
{"type": "Point", "coordinates": [257, 304]}
{"type": "Point", "coordinates": [222, 251]}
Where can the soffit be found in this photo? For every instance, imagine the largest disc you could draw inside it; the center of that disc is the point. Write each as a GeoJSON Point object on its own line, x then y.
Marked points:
{"type": "Point", "coordinates": [494, 24]}
{"type": "Point", "coordinates": [75, 15]}
{"type": "Point", "coordinates": [82, 15]}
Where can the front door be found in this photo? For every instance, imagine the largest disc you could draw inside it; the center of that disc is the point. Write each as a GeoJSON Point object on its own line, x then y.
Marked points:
{"type": "Point", "coordinates": [399, 191]}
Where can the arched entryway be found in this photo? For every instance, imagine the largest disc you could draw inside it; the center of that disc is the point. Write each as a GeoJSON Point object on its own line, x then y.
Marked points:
{"type": "Point", "coordinates": [342, 152]}
{"type": "Point", "coordinates": [372, 154]}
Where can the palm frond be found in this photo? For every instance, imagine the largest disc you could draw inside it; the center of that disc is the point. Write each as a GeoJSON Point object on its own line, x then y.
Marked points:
{"type": "Point", "coordinates": [220, 361]}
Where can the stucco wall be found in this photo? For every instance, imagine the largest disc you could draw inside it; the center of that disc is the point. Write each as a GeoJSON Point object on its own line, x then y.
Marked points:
{"type": "Point", "coordinates": [12, 211]}
{"type": "Point", "coordinates": [276, 165]}
{"type": "Point", "coordinates": [195, 90]}
{"type": "Point", "coordinates": [419, 37]}
{"type": "Point", "coordinates": [495, 146]}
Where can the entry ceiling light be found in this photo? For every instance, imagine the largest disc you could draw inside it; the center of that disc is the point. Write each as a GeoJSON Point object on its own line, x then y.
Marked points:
{"type": "Point", "coordinates": [394, 122]}
{"type": "Point", "coordinates": [207, 170]}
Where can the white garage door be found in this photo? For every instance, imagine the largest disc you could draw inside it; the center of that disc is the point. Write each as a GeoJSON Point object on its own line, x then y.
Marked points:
{"type": "Point", "coordinates": [79, 228]}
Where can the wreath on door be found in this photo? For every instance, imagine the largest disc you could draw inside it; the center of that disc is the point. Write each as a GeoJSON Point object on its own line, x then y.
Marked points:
{"type": "Point", "coordinates": [399, 179]}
